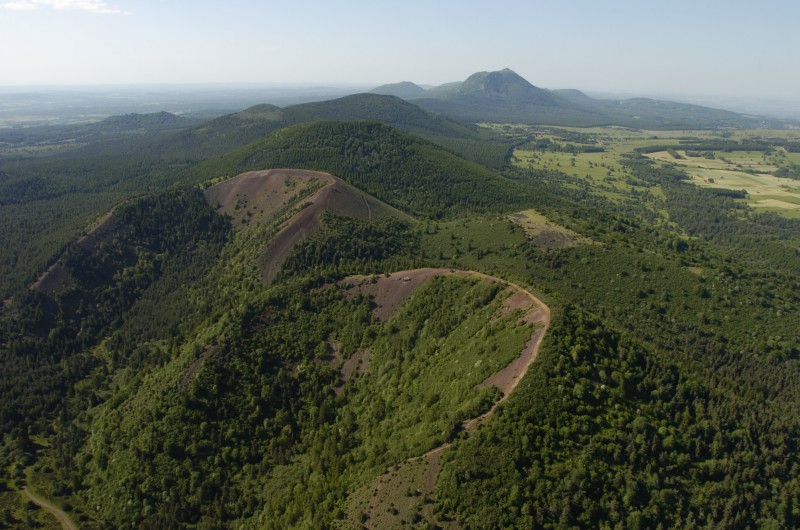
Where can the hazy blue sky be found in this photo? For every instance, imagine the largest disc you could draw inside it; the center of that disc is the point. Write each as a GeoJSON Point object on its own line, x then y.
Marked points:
{"type": "Point", "coordinates": [702, 46]}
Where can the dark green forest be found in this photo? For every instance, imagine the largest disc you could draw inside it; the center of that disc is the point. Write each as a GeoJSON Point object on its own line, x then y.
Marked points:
{"type": "Point", "coordinates": [51, 188]}
{"type": "Point", "coordinates": [155, 380]}
{"type": "Point", "coordinates": [404, 171]}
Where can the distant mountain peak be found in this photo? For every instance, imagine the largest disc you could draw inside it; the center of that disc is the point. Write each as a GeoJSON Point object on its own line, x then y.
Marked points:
{"type": "Point", "coordinates": [404, 90]}
{"type": "Point", "coordinates": [504, 83]}
{"type": "Point", "coordinates": [503, 88]}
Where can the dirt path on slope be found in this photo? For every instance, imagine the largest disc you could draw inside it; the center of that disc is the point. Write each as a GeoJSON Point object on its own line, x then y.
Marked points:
{"type": "Point", "coordinates": [59, 514]}
{"type": "Point", "coordinates": [369, 209]}
{"type": "Point", "coordinates": [388, 293]}
{"type": "Point", "coordinates": [55, 277]}
{"type": "Point", "coordinates": [298, 228]}
{"type": "Point", "coordinates": [258, 197]}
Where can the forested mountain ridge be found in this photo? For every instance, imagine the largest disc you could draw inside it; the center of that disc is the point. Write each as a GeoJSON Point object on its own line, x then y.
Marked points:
{"type": "Point", "coordinates": [402, 170]}
{"type": "Point", "coordinates": [228, 132]}
{"type": "Point", "coordinates": [51, 325]}
{"type": "Point", "coordinates": [388, 110]}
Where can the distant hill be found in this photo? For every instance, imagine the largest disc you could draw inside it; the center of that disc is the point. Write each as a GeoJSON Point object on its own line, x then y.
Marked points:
{"type": "Point", "coordinates": [389, 110]}
{"type": "Point", "coordinates": [109, 127]}
{"type": "Point", "coordinates": [442, 90]}
{"type": "Point", "coordinates": [185, 140]}
{"type": "Point", "coordinates": [572, 94]}
{"type": "Point", "coordinates": [644, 112]}
{"type": "Point", "coordinates": [504, 96]}
{"type": "Point", "coordinates": [430, 182]}
{"type": "Point", "coordinates": [505, 86]}
{"type": "Point", "coordinates": [228, 132]}
{"type": "Point", "coordinates": [405, 90]}
{"type": "Point", "coordinates": [155, 121]}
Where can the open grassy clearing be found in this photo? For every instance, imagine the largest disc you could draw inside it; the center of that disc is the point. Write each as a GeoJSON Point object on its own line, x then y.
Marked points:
{"type": "Point", "coordinates": [793, 157]}
{"type": "Point", "coordinates": [396, 499]}
{"type": "Point", "coordinates": [491, 241]}
{"type": "Point", "coordinates": [591, 157]}
{"type": "Point", "coordinates": [599, 170]}
{"type": "Point", "coordinates": [598, 166]}
{"type": "Point", "coordinates": [27, 495]}
{"type": "Point", "coordinates": [543, 233]}
{"type": "Point", "coordinates": [622, 139]}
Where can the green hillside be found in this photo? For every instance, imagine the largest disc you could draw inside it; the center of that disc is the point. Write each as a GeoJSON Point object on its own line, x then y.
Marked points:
{"type": "Point", "coordinates": [228, 132]}
{"type": "Point", "coordinates": [115, 321]}
{"type": "Point", "coordinates": [388, 110]}
{"type": "Point", "coordinates": [466, 141]}
{"type": "Point", "coordinates": [155, 239]}
{"type": "Point", "coordinates": [405, 171]}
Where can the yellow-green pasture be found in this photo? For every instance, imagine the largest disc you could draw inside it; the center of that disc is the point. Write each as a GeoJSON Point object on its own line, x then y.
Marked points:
{"type": "Point", "coordinates": [743, 171]}
{"type": "Point", "coordinates": [793, 157]}
{"type": "Point", "coordinates": [733, 161]}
